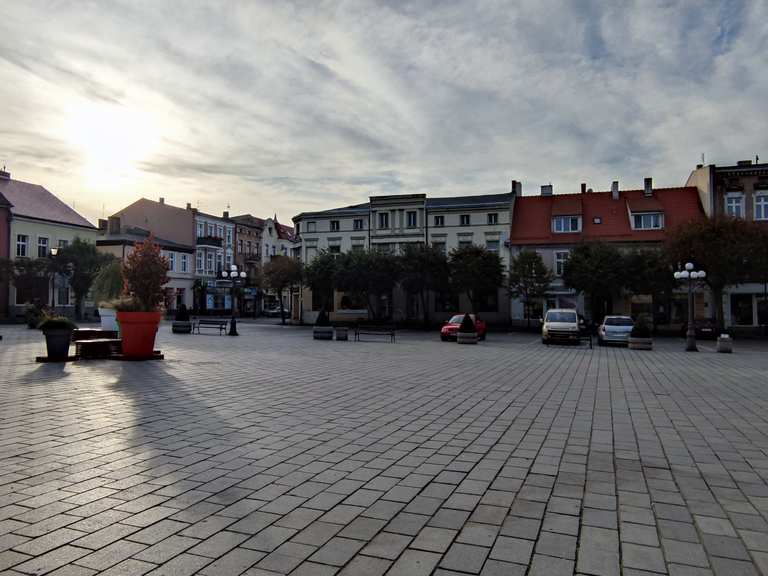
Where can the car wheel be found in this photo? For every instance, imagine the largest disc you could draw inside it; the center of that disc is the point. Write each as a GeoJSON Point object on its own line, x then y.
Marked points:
{"type": "Point", "coordinates": [545, 341]}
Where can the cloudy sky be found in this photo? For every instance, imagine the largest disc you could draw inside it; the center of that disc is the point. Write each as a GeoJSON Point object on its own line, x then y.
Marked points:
{"type": "Point", "coordinates": [283, 107]}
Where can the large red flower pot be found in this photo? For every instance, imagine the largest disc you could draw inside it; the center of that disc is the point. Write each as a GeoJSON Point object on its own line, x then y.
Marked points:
{"type": "Point", "coordinates": [138, 330]}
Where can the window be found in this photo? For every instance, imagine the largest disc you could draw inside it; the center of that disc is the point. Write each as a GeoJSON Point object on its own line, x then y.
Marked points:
{"type": "Point", "coordinates": [42, 247]}
{"type": "Point", "coordinates": [761, 207]}
{"type": "Point", "coordinates": [357, 224]}
{"type": "Point", "coordinates": [229, 258]}
{"type": "Point", "coordinates": [734, 204]}
{"type": "Point", "coordinates": [200, 229]}
{"type": "Point", "coordinates": [560, 259]}
{"type": "Point", "coordinates": [220, 231]}
{"type": "Point", "coordinates": [493, 218]}
{"type": "Point", "coordinates": [62, 297]}
{"type": "Point", "coordinates": [492, 245]}
{"type": "Point", "coordinates": [171, 261]}
{"type": "Point", "coordinates": [383, 220]}
{"type": "Point", "coordinates": [63, 243]}
{"type": "Point", "coordinates": [229, 236]}
{"type": "Point", "coordinates": [410, 219]}
{"type": "Point", "coordinates": [211, 230]}
{"type": "Point", "coordinates": [439, 221]}
{"type": "Point", "coordinates": [239, 245]}
{"type": "Point", "coordinates": [184, 263]}
{"type": "Point", "coordinates": [358, 247]}
{"type": "Point", "coordinates": [464, 244]}
{"type": "Point", "coordinates": [334, 249]}
{"type": "Point", "coordinates": [439, 246]}
{"type": "Point", "coordinates": [311, 253]}
{"type": "Point", "coordinates": [650, 221]}
{"type": "Point", "coordinates": [209, 262]}
{"type": "Point", "coordinates": [248, 247]}
{"type": "Point", "coordinates": [199, 261]}
{"type": "Point", "coordinates": [21, 245]}
{"type": "Point", "coordinates": [334, 225]}
{"type": "Point", "coordinates": [464, 220]}
{"type": "Point", "coordinates": [219, 262]}
{"type": "Point", "coordinates": [561, 224]}
{"type": "Point", "coordinates": [385, 248]}
{"type": "Point", "coordinates": [311, 226]}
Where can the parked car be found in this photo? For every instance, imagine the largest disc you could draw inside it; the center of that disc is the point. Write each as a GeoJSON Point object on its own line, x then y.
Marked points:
{"type": "Point", "coordinates": [272, 312]}
{"type": "Point", "coordinates": [614, 329]}
{"type": "Point", "coordinates": [561, 324]}
{"type": "Point", "coordinates": [451, 326]}
{"type": "Point", "coordinates": [706, 329]}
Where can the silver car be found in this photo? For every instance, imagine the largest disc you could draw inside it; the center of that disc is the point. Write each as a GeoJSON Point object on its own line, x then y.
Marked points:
{"type": "Point", "coordinates": [615, 330]}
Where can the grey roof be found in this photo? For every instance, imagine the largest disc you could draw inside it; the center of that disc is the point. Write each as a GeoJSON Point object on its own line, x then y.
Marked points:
{"type": "Point", "coordinates": [477, 201]}
{"type": "Point", "coordinates": [34, 201]}
{"type": "Point", "coordinates": [135, 234]}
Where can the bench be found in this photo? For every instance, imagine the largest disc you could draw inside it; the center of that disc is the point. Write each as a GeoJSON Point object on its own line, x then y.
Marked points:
{"type": "Point", "coordinates": [92, 334]}
{"type": "Point", "coordinates": [375, 330]}
{"type": "Point", "coordinates": [181, 327]}
{"type": "Point", "coordinates": [98, 347]}
{"type": "Point", "coordinates": [221, 325]}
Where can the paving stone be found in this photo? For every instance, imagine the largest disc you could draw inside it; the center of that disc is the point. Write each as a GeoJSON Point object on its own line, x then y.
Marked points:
{"type": "Point", "coordinates": [414, 563]}
{"type": "Point", "coordinates": [166, 549]}
{"type": "Point", "coordinates": [514, 550]}
{"type": "Point", "coordinates": [387, 545]}
{"type": "Point", "coordinates": [337, 551]}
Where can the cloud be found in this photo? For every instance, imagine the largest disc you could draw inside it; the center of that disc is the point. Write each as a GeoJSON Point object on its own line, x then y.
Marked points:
{"type": "Point", "coordinates": [284, 107]}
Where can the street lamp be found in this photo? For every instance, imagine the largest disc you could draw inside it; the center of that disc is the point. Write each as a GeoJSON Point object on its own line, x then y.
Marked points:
{"type": "Point", "coordinates": [237, 279]}
{"type": "Point", "coordinates": [691, 276]}
{"type": "Point", "coordinates": [54, 251]}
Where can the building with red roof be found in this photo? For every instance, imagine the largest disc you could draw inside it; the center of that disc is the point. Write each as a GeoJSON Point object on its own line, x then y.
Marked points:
{"type": "Point", "coordinates": [552, 224]}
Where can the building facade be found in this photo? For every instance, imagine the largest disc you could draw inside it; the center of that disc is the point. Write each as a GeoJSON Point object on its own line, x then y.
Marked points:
{"type": "Point", "coordinates": [215, 250]}
{"type": "Point", "coordinates": [39, 221]}
{"type": "Point", "coordinates": [5, 250]}
{"type": "Point", "coordinates": [248, 248]}
{"type": "Point", "coordinates": [388, 223]}
{"type": "Point", "coordinates": [277, 240]}
{"type": "Point", "coordinates": [738, 191]}
{"type": "Point", "coordinates": [553, 224]}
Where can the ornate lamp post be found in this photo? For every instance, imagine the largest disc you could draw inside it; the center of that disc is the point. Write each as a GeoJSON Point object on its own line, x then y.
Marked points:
{"type": "Point", "coordinates": [237, 279]}
{"type": "Point", "coordinates": [52, 256]}
{"type": "Point", "coordinates": [691, 276]}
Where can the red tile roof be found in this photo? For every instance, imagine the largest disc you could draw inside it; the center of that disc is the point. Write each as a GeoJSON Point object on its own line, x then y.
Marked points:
{"type": "Point", "coordinates": [34, 201]}
{"type": "Point", "coordinates": [532, 218]}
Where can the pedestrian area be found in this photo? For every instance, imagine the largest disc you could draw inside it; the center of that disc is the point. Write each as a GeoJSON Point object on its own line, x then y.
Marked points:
{"type": "Point", "coordinates": [271, 453]}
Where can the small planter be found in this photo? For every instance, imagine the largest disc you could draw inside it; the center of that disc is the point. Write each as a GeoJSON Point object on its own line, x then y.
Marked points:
{"type": "Point", "coordinates": [342, 333]}
{"type": "Point", "coordinates": [724, 344]}
{"type": "Point", "coordinates": [57, 342]}
{"type": "Point", "coordinates": [466, 337]}
{"type": "Point", "coordinates": [138, 330]}
{"type": "Point", "coordinates": [108, 318]}
{"type": "Point", "coordinates": [640, 343]}
{"type": "Point", "coordinates": [322, 332]}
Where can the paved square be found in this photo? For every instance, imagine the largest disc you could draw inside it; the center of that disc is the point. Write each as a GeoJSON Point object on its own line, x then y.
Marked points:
{"type": "Point", "coordinates": [272, 453]}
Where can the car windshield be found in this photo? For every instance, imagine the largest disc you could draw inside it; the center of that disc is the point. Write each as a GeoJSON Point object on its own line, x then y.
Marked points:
{"type": "Point", "coordinates": [619, 321]}
{"type": "Point", "coordinates": [458, 318]}
{"type": "Point", "coordinates": [561, 316]}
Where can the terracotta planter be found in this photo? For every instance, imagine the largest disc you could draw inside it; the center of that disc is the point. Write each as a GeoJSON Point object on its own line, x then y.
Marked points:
{"type": "Point", "coordinates": [57, 343]}
{"type": "Point", "coordinates": [138, 330]}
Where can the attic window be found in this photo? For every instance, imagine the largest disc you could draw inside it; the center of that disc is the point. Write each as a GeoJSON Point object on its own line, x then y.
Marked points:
{"type": "Point", "coordinates": [648, 221]}
{"type": "Point", "coordinates": [597, 220]}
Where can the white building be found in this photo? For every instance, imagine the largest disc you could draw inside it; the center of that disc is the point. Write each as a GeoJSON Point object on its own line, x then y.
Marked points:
{"type": "Point", "coordinates": [390, 222]}
{"type": "Point", "coordinates": [276, 240]}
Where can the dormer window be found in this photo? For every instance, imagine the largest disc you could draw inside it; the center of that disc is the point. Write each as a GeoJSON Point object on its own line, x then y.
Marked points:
{"type": "Point", "coordinates": [566, 224]}
{"type": "Point", "coordinates": [648, 221]}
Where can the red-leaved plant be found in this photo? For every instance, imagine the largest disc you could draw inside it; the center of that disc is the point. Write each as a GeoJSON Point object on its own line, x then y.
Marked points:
{"type": "Point", "coordinates": [145, 272]}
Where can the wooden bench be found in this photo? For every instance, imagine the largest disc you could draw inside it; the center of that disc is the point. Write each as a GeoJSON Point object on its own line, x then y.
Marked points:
{"type": "Point", "coordinates": [92, 334]}
{"type": "Point", "coordinates": [221, 325]}
{"type": "Point", "coordinates": [375, 330]}
{"type": "Point", "coordinates": [98, 347]}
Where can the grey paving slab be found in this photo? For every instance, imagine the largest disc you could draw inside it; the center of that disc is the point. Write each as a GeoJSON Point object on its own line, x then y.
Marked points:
{"type": "Point", "coordinates": [273, 453]}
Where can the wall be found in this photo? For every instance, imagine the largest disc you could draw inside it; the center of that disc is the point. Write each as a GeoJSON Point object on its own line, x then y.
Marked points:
{"type": "Point", "coordinates": [701, 179]}
{"type": "Point", "coordinates": [165, 221]}
{"type": "Point", "coordinates": [5, 233]}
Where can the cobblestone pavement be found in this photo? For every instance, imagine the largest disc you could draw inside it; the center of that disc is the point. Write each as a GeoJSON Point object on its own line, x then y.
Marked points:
{"type": "Point", "coordinates": [272, 453]}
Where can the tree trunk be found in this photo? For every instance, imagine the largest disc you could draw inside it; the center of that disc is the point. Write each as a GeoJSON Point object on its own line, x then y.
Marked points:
{"type": "Point", "coordinates": [79, 308]}
{"type": "Point", "coordinates": [282, 310]}
{"type": "Point", "coordinates": [425, 307]}
{"type": "Point", "coordinates": [717, 295]}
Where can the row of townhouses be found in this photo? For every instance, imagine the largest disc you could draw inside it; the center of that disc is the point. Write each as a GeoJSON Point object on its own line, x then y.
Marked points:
{"type": "Point", "coordinates": [200, 245]}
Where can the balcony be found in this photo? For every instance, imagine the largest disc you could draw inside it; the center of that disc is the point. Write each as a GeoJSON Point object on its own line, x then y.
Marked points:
{"type": "Point", "coordinates": [209, 242]}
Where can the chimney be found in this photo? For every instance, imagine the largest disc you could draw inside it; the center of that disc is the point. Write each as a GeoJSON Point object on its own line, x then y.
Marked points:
{"type": "Point", "coordinates": [615, 190]}
{"type": "Point", "coordinates": [648, 187]}
{"type": "Point", "coordinates": [583, 187]}
{"type": "Point", "coordinates": [513, 190]}
{"type": "Point", "coordinates": [189, 206]}
{"type": "Point", "coordinates": [162, 200]}
{"type": "Point", "coordinates": [226, 214]}
{"type": "Point", "coordinates": [546, 190]}
{"type": "Point", "coordinates": [4, 174]}
{"type": "Point", "coordinates": [102, 225]}
{"type": "Point", "coordinates": [113, 225]}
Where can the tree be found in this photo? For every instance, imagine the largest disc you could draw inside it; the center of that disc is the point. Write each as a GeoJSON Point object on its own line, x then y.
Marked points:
{"type": "Point", "coordinates": [280, 273]}
{"type": "Point", "coordinates": [649, 272]}
{"type": "Point", "coordinates": [30, 276]}
{"type": "Point", "coordinates": [145, 272]}
{"type": "Point", "coordinates": [108, 283]}
{"type": "Point", "coordinates": [529, 279]}
{"type": "Point", "coordinates": [757, 251]}
{"type": "Point", "coordinates": [320, 276]}
{"type": "Point", "coordinates": [719, 247]}
{"type": "Point", "coordinates": [476, 272]}
{"type": "Point", "coordinates": [424, 270]}
{"type": "Point", "coordinates": [596, 269]}
{"type": "Point", "coordinates": [368, 275]}
{"type": "Point", "coordinates": [81, 261]}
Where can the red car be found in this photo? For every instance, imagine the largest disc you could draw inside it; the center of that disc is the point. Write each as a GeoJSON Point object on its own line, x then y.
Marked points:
{"type": "Point", "coordinates": [449, 329]}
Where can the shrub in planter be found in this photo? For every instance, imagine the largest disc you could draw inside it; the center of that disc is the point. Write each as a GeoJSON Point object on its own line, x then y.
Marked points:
{"type": "Point", "coordinates": [33, 315]}
{"type": "Point", "coordinates": [145, 272]}
{"type": "Point", "coordinates": [467, 333]}
{"type": "Point", "coordinates": [640, 337]}
{"type": "Point", "coordinates": [322, 329]}
{"type": "Point", "coordinates": [107, 286]}
{"type": "Point", "coordinates": [58, 334]}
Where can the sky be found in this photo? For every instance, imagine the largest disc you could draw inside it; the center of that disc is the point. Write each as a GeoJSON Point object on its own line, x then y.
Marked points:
{"type": "Point", "coordinates": [277, 107]}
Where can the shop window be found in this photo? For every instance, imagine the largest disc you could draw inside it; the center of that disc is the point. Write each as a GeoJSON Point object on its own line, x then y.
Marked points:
{"type": "Point", "coordinates": [741, 309]}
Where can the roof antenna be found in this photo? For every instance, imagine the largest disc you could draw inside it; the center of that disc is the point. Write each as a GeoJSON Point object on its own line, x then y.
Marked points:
{"type": "Point", "coordinates": [757, 160]}
{"type": "Point", "coordinates": [702, 158]}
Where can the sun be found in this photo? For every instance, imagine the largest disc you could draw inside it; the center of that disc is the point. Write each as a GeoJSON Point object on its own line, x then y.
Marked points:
{"type": "Point", "coordinates": [112, 139]}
